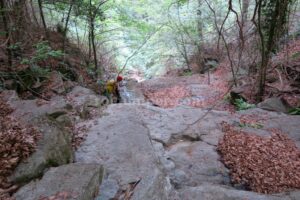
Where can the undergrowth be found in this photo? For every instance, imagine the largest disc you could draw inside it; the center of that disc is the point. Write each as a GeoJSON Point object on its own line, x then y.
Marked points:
{"type": "Point", "coordinates": [240, 104]}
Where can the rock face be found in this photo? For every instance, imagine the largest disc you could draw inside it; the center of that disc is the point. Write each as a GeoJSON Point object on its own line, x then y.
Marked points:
{"type": "Point", "coordinates": [55, 119]}
{"type": "Point", "coordinates": [53, 149]}
{"type": "Point", "coordinates": [121, 137]}
{"type": "Point", "coordinates": [275, 104]}
{"type": "Point", "coordinates": [73, 182]}
{"type": "Point", "coordinates": [147, 152]}
{"type": "Point", "coordinates": [169, 153]}
{"type": "Point", "coordinates": [84, 100]}
{"type": "Point", "coordinates": [28, 110]}
{"type": "Point", "coordinates": [81, 96]}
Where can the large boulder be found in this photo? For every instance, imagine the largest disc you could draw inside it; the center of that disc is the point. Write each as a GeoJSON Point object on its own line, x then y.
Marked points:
{"type": "Point", "coordinates": [53, 149]}
{"type": "Point", "coordinates": [194, 163]}
{"type": "Point", "coordinates": [275, 104]}
{"type": "Point", "coordinates": [56, 83]}
{"type": "Point", "coordinates": [9, 95]}
{"type": "Point", "coordinates": [28, 110]}
{"type": "Point", "coordinates": [83, 98]}
{"type": "Point", "coordinates": [121, 143]}
{"type": "Point", "coordinates": [288, 124]}
{"type": "Point", "coordinates": [70, 182]}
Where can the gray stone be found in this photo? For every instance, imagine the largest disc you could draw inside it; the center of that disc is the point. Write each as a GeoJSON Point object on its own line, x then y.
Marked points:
{"type": "Point", "coordinates": [57, 83]}
{"type": "Point", "coordinates": [294, 195]}
{"type": "Point", "coordinates": [84, 99]}
{"type": "Point", "coordinates": [218, 192]}
{"type": "Point", "coordinates": [54, 148]}
{"type": "Point", "coordinates": [9, 95]}
{"type": "Point", "coordinates": [126, 151]}
{"type": "Point", "coordinates": [288, 124]}
{"type": "Point", "coordinates": [65, 121]}
{"type": "Point", "coordinates": [196, 162]}
{"type": "Point", "coordinates": [108, 190]}
{"type": "Point", "coordinates": [69, 85]}
{"type": "Point", "coordinates": [275, 104]}
{"type": "Point", "coordinates": [96, 102]}
{"type": "Point", "coordinates": [75, 181]}
{"type": "Point", "coordinates": [28, 110]}
{"type": "Point", "coordinates": [171, 153]}
{"type": "Point", "coordinates": [57, 113]}
{"type": "Point", "coordinates": [10, 84]}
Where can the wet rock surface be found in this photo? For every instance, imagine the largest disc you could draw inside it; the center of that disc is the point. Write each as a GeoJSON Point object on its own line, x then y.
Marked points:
{"type": "Point", "coordinates": [131, 92]}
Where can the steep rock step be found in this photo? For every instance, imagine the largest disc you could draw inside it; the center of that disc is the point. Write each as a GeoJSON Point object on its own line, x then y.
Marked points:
{"type": "Point", "coordinates": [53, 149]}
{"type": "Point", "coordinates": [69, 182]}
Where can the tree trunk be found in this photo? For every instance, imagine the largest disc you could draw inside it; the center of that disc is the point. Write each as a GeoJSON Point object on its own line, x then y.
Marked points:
{"type": "Point", "coordinates": [33, 12]}
{"type": "Point", "coordinates": [275, 27]}
{"type": "Point", "coordinates": [66, 25]}
{"type": "Point", "coordinates": [90, 48]}
{"type": "Point", "coordinates": [98, 73]}
{"type": "Point", "coordinates": [43, 18]}
{"type": "Point", "coordinates": [7, 32]}
{"type": "Point", "coordinates": [200, 59]}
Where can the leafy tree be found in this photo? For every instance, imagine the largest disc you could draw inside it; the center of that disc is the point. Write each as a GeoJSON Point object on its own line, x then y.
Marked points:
{"type": "Point", "coordinates": [270, 18]}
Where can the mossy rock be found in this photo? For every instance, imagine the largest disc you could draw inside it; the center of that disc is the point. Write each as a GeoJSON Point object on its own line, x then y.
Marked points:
{"type": "Point", "coordinates": [53, 149]}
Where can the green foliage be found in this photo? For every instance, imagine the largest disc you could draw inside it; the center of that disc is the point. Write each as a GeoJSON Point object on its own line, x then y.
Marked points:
{"type": "Point", "coordinates": [121, 26]}
{"type": "Point", "coordinates": [227, 97]}
{"type": "Point", "coordinates": [296, 55]}
{"type": "Point", "coordinates": [2, 33]}
{"type": "Point", "coordinates": [32, 77]}
{"type": "Point", "coordinates": [15, 46]}
{"type": "Point", "coordinates": [187, 73]}
{"type": "Point", "coordinates": [240, 104]}
{"type": "Point", "coordinates": [42, 52]}
{"type": "Point", "coordinates": [38, 72]}
{"type": "Point", "coordinates": [182, 2]}
{"type": "Point", "coordinates": [251, 125]}
{"type": "Point", "coordinates": [295, 111]}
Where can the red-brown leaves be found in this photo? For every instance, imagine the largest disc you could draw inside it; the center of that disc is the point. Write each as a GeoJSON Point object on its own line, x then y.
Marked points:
{"type": "Point", "coordinates": [266, 165]}
{"type": "Point", "coordinates": [17, 142]}
{"type": "Point", "coordinates": [167, 97]}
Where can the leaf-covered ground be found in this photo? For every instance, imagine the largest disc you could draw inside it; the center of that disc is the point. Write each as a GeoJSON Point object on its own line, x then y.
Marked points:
{"type": "Point", "coordinates": [17, 142]}
{"type": "Point", "coordinates": [263, 164]}
{"type": "Point", "coordinates": [196, 90]}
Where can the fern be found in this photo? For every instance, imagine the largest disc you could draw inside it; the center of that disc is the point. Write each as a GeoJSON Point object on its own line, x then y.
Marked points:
{"type": "Point", "coordinates": [240, 104]}
{"type": "Point", "coordinates": [42, 52]}
{"type": "Point", "coordinates": [295, 111]}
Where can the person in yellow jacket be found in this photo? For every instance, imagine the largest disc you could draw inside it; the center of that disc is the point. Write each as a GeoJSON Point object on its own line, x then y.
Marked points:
{"type": "Point", "coordinates": [112, 89]}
